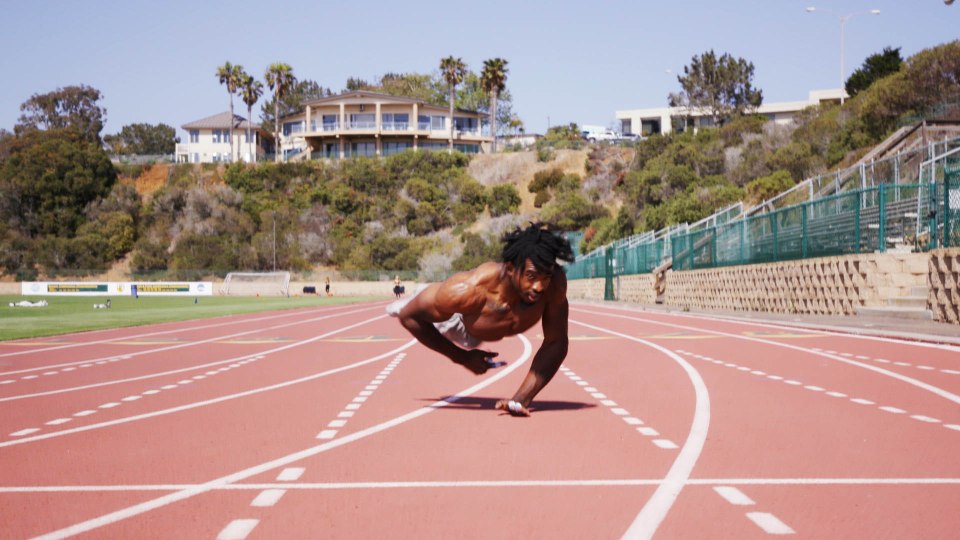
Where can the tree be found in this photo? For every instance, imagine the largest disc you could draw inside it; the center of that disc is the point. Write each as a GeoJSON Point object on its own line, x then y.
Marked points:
{"type": "Point", "coordinates": [144, 139]}
{"type": "Point", "coordinates": [720, 87]}
{"type": "Point", "coordinates": [291, 102]}
{"type": "Point", "coordinates": [69, 107]}
{"type": "Point", "coordinates": [876, 66]}
{"type": "Point", "coordinates": [494, 78]}
{"type": "Point", "coordinates": [453, 71]}
{"type": "Point", "coordinates": [49, 179]}
{"type": "Point", "coordinates": [251, 90]}
{"type": "Point", "coordinates": [231, 76]}
{"type": "Point", "coordinates": [280, 79]}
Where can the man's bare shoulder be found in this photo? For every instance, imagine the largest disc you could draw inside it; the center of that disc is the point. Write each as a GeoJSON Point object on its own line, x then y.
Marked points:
{"type": "Point", "coordinates": [466, 292]}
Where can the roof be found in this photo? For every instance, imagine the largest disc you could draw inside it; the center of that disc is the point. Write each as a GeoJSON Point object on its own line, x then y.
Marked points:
{"type": "Point", "coordinates": [220, 121]}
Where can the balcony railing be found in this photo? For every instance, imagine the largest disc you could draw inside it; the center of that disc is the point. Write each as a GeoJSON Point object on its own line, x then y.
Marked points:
{"type": "Point", "coordinates": [394, 127]}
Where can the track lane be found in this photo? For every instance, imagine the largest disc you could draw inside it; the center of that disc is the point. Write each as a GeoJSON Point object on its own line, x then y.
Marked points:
{"type": "Point", "coordinates": [576, 467]}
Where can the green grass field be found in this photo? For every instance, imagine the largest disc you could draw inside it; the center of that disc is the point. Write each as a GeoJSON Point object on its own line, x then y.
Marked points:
{"type": "Point", "coordinates": [76, 314]}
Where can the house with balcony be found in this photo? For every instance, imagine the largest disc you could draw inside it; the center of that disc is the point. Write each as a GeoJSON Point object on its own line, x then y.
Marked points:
{"type": "Point", "coordinates": [208, 140]}
{"type": "Point", "coordinates": [362, 123]}
{"type": "Point", "coordinates": [667, 119]}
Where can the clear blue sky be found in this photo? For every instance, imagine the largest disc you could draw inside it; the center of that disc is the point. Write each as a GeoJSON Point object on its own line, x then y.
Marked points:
{"type": "Point", "coordinates": [569, 61]}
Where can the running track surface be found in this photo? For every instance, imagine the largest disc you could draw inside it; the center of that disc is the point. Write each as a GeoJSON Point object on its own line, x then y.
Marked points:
{"type": "Point", "coordinates": [330, 422]}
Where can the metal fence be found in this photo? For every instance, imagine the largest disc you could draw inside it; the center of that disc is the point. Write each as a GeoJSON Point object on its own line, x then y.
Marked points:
{"type": "Point", "coordinates": [876, 217]}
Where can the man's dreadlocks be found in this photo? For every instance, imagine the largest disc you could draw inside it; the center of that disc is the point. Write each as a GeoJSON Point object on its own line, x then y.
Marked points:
{"type": "Point", "coordinates": [539, 243]}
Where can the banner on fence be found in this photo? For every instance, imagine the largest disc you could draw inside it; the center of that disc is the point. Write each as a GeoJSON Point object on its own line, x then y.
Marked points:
{"type": "Point", "coordinates": [115, 288]}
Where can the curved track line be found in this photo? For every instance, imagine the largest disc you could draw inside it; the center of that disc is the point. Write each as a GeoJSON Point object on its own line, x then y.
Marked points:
{"type": "Point", "coordinates": [219, 483]}
{"type": "Point", "coordinates": [659, 504]}
{"type": "Point", "coordinates": [158, 333]}
{"type": "Point", "coordinates": [909, 380]}
{"type": "Point", "coordinates": [194, 368]}
{"type": "Point", "coordinates": [786, 325]}
{"type": "Point", "coordinates": [183, 345]}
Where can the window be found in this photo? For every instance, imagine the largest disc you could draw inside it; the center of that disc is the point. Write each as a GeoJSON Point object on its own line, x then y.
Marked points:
{"type": "Point", "coordinates": [368, 149]}
{"type": "Point", "coordinates": [216, 135]}
{"type": "Point", "coordinates": [467, 148]}
{"type": "Point", "coordinates": [438, 122]}
{"type": "Point", "coordinates": [194, 135]}
{"type": "Point", "coordinates": [251, 139]}
{"type": "Point", "coordinates": [390, 148]}
{"type": "Point", "coordinates": [423, 122]}
{"type": "Point", "coordinates": [331, 150]}
{"type": "Point", "coordinates": [395, 121]}
{"type": "Point", "coordinates": [461, 123]}
{"type": "Point", "coordinates": [330, 122]}
{"type": "Point", "coordinates": [292, 127]}
{"type": "Point", "coordinates": [363, 121]}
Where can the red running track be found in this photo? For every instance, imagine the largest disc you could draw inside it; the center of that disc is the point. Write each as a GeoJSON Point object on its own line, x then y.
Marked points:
{"type": "Point", "coordinates": [330, 422]}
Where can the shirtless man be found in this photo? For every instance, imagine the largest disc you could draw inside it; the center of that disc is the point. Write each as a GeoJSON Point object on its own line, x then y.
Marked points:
{"type": "Point", "coordinates": [495, 300]}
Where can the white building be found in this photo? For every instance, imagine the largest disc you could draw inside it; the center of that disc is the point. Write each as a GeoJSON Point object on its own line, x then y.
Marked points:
{"type": "Point", "coordinates": [666, 119]}
{"type": "Point", "coordinates": [208, 140]}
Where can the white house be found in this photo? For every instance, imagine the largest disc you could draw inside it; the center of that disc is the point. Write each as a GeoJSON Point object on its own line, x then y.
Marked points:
{"type": "Point", "coordinates": [208, 140]}
{"type": "Point", "coordinates": [667, 119]}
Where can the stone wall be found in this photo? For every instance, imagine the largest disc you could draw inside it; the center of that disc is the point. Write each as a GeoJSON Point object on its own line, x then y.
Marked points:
{"type": "Point", "coordinates": [827, 285]}
{"type": "Point", "coordinates": [944, 299]}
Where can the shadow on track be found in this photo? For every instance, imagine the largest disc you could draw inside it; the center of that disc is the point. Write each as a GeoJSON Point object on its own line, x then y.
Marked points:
{"type": "Point", "coordinates": [476, 403]}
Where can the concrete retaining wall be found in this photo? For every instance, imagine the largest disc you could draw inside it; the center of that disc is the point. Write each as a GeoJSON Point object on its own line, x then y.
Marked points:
{"type": "Point", "coordinates": [944, 299]}
{"type": "Point", "coordinates": [822, 286]}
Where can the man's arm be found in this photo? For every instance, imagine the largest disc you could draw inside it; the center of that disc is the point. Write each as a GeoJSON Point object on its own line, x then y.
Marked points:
{"type": "Point", "coordinates": [550, 355]}
{"type": "Point", "coordinates": [439, 303]}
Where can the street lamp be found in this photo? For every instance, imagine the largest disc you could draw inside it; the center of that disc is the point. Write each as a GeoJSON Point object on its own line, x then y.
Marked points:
{"type": "Point", "coordinates": [843, 21]}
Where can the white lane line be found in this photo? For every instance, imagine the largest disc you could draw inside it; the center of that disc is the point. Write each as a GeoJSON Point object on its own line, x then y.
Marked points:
{"type": "Point", "coordinates": [860, 401]}
{"type": "Point", "coordinates": [110, 405]}
{"type": "Point", "coordinates": [633, 421]}
{"type": "Point", "coordinates": [146, 506]}
{"type": "Point", "coordinates": [648, 431]}
{"type": "Point", "coordinates": [238, 529]}
{"type": "Point", "coordinates": [23, 432]}
{"type": "Point", "coordinates": [202, 366]}
{"type": "Point", "coordinates": [893, 410]}
{"type": "Point", "coordinates": [665, 444]}
{"type": "Point", "coordinates": [733, 495]}
{"type": "Point", "coordinates": [954, 427]}
{"type": "Point", "coordinates": [829, 354]}
{"type": "Point", "coordinates": [268, 497]}
{"type": "Point", "coordinates": [339, 486]}
{"type": "Point", "coordinates": [356, 402]}
{"type": "Point", "coordinates": [337, 423]}
{"type": "Point", "coordinates": [214, 400]}
{"type": "Point", "coordinates": [290, 474]}
{"type": "Point", "coordinates": [769, 523]}
{"type": "Point", "coordinates": [659, 504]}
{"type": "Point", "coordinates": [327, 434]}
{"type": "Point", "coordinates": [58, 421]}
{"type": "Point", "coordinates": [159, 333]}
{"type": "Point", "coordinates": [84, 413]}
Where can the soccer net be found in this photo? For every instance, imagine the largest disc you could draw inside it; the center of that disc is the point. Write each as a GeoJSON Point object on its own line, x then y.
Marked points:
{"type": "Point", "coordinates": [256, 284]}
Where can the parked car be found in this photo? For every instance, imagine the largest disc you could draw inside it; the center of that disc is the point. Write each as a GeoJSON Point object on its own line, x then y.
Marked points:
{"type": "Point", "coordinates": [632, 137]}
{"type": "Point", "coordinates": [599, 134]}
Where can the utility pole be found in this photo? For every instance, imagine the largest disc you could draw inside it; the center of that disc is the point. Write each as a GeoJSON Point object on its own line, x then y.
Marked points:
{"type": "Point", "coordinates": [274, 241]}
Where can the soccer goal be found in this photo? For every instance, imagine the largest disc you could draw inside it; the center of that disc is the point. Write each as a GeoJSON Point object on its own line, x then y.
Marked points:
{"type": "Point", "coordinates": [256, 284]}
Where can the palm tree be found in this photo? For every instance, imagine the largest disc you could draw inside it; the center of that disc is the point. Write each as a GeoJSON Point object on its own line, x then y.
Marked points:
{"type": "Point", "coordinates": [494, 80]}
{"type": "Point", "coordinates": [250, 90]}
{"type": "Point", "coordinates": [231, 76]}
{"type": "Point", "coordinates": [280, 79]}
{"type": "Point", "coordinates": [454, 70]}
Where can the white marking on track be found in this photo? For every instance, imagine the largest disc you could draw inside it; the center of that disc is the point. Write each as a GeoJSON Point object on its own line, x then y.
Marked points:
{"type": "Point", "coordinates": [335, 486]}
{"type": "Point", "coordinates": [58, 421]}
{"type": "Point", "coordinates": [238, 529]}
{"type": "Point", "coordinates": [219, 483]}
{"type": "Point", "coordinates": [23, 432]}
{"type": "Point", "coordinates": [327, 434]}
{"type": "Point", "coordinates": [893, 410]}
{"type": "Point", "coordinates": [769, 523]}
{"type": "Point", "coordinates": [733, 495]}
{"type": "Point", "coordinates": [268, 497]}
{"type": "Point", "coordinates": [927, 419]}
{"type": "Point", "coordinates": [290, 474]}
{"type": "Point", "coordinates": [665, 444]}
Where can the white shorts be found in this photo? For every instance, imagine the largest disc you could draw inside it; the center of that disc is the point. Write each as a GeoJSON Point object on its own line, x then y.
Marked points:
{"type": "Point", "coordinates": [453, 328]}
